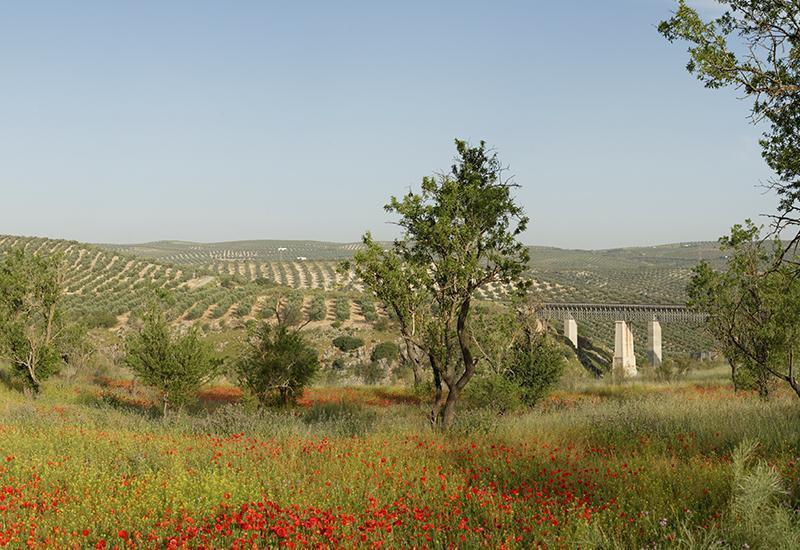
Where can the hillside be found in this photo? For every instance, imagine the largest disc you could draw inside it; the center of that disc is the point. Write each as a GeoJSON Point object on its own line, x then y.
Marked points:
{"type": "Point", "coordinates": [221, 285]}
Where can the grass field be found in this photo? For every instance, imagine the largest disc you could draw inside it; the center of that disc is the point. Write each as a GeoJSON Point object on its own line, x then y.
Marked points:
{"type": "Point", "coordinates": [635, 466]}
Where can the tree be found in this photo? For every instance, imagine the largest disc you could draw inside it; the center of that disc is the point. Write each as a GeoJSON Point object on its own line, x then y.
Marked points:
{"type": "Point", "coordinates": [753, 308]}
{"type": "Point", "coordinates": [31, 321]}
{"type": "Point", "coordinates": [278, 363]}
{"type": "Point", "coordinates": [459, 235]}
{"type": "Point", "coordinates": [394, 282]}
{"type": "Point", "coordinates": [177, 365]}
{"type": "Point", "coordinates": [767, 70]}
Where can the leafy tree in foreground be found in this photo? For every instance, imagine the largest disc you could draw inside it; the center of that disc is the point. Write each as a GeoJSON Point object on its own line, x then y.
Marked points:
{"type": "Point", "coordinates": [176, 365]}
{"type": "Point", "coordinates": [753, 308]}
{"type": "Point", "coordinates": [30, 316]}
{"type": "Point", "coordinates": [459, 235]}
{"type": "Point", "coordinates": [763, 63]}
{"type": "Point", "coordinates": [278, 364]}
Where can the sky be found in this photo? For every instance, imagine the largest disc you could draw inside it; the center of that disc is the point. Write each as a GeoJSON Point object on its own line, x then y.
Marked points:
{"type": "Point", "coordinates": [211, 121]}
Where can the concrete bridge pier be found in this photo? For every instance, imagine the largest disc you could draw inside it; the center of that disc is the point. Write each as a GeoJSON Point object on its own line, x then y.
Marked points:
{"type": "Point", "coordinates": [654, 343]}
{"type": "Point", "coordinates": [624, 358]}
{"type": "Point", "coordinates": [571, 330]}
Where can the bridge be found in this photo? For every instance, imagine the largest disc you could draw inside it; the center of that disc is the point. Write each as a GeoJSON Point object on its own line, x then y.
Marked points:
{"type": "Point", "coordinates": [622, 314]}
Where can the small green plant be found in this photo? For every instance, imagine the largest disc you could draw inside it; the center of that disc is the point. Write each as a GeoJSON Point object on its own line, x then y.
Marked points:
{"type": "Point", "coordinates": [348, 343]}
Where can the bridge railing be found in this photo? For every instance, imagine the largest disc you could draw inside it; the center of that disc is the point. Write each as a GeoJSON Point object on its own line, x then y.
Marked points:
{"type": "Point", "coordinates": [620, 312]}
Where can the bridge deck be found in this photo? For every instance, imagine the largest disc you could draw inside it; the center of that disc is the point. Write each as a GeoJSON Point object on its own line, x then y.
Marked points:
{"type": "Point", "coordinates": [620, 312]}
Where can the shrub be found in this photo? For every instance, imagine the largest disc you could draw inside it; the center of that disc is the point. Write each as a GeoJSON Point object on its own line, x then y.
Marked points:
{"type": "Point", "coordinates": [536, 367]}
{"type": "Point", "coordinates": [278, 364]}
{"type": "Point", "coordinates": [388, 351]}
{"type": "Point", "coordinates": [495, 392]}
{"type": "Point", "coordinates": [175, 365]}
{"type": "Point", "coordinates": [673, 368]}
{"type": "Point", "coordinates": [347, 343]}
{"type": "Point", "coordinates": [342, 309]}
{"type": "Point", "coordinates": [371, 372]}
{"type": "Point", "coordinates": [318, 310]}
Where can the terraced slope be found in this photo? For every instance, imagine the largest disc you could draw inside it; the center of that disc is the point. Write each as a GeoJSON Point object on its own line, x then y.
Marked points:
{"type": "Point", "coordinates": [656, 274]}
{"type": "Point", "coordinates": [223, 284]}
{"type": "Point", "coordinates": [100, 281]}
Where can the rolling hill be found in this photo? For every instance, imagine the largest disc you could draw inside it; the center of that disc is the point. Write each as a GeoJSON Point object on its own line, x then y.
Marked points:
{"type": "Point", "coordinates": [223, 284]}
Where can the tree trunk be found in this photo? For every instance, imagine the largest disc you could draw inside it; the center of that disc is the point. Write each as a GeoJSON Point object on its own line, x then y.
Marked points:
{"type": "Point", "coordinates": [438, 397]}
{"type": "Point", "coordinates": [449, 411]}
{"type": "Point", "coordinates": [733, 376]}
{"type": "Point", "coordinates": [414, 358]}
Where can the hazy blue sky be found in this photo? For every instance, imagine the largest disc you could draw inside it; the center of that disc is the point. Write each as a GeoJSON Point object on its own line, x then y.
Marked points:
{"type": "Point", "coordinates": [210, 121]}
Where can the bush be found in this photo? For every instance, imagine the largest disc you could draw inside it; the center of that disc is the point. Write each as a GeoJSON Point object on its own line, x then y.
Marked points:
{"type": "Point", "coordinates": [175, 365]}
{"type": "Point", "coordinates": [673, 369]}
{"type": "Point", "coordinates": [342, 309]}
{"type": "Point", "coordinates": [495, 392]}
{"type": "Point", "coordinates": [536, 367]}
{"type": "Point", "coordinates": [388, 351]}
{"type": "Point", "coordinates": [347, 343]}
{"type": "Point", "coordinates": [278, 365]}
{"type": "Point", "coordinates": [317, 311]}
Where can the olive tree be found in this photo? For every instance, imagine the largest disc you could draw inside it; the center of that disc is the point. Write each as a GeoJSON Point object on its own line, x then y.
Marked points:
{"type": "Point", "coordinates": [277, 364]}
{"type": "Point", "coordinates": [175, 364]}
{"type": "Point", "coordinates": [459, 234]}
{"type": "Point", "coordinates": [31, 320]}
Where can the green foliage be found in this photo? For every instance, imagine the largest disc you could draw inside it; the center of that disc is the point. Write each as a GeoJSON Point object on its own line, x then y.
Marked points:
{"type": "Point", "coordinates": [342, 309]}
{"type": "Point", "coordinates": [386, 351]}
{"type": "Point", "coordinates": [763, 63]}
{"type": "Point", "coordinates": [753, 307]}
{"type": "Point", "coordinates": [291, 314]}
{"type": "Point", "coordinates": [496, 392]}
{"type": "Point", "coordinates": [348, 343]}
{"type": "Point", "coordinates": [760, 511]}
{"type": "Point", "coordinates": [318, 310]}
{"type": "Point", "coordinates": [277, 365]}
{"type": "Point", "coordinates": [673, 368]}
{"type": "Point", "coordinates": [176, 365]}
{"type": "Point", "coordinates": [459, 235]}
{"type": "Point", "coordinates": [537, 365]}
{"type": "Point", "coordinates": [30, 316]}
{"type": "Point", "coordinates": [371, 372]}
